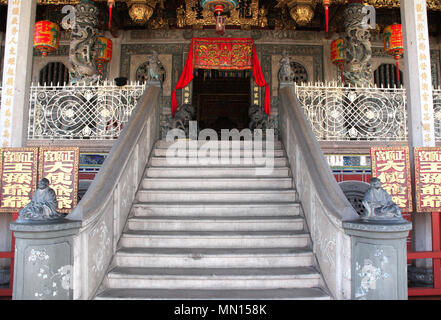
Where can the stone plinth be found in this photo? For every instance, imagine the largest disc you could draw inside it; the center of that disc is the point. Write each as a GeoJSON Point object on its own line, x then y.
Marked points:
{"type": "Point", "coordinates": [379, 259]}
{"type": "Point", "coordinates": [44, 260]}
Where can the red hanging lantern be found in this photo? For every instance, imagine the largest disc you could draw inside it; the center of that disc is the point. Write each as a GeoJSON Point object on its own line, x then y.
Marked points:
{"type": "Point", "coordinates": [337, 55]}
{"type": "Point", "coordinates": [46, 37]}
{"type": "Point", "coordinates": [326, 4]}
{"type": "Point", "coordinates": [104, 52]}
{"type": "Point", "coordinates": [393, 43]}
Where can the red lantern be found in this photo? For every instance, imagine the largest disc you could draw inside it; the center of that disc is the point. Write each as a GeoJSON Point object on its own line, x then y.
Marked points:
{"type": "Point", "coordinates": [338, 55]}
{"type": "Point", "coordinates": [393, 43]}
{"type": "Point", "coordinates": [46, 37]}
{"type": "Point", "coordinates": [326, 4]}
{"type": "Point", "coordinates": [104, 52]}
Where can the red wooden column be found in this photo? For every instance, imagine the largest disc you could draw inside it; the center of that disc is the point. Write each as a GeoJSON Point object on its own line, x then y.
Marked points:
{"type": "Point", "coordinates": [436, 247]}
{"type": "Point", "coordinates": [10, 255]}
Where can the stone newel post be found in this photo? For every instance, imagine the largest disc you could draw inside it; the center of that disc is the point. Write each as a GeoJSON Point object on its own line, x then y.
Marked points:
{"type": "Point", "coordinates": [379, 260]}
{"type": "Point", "coordinates": [44, 260]}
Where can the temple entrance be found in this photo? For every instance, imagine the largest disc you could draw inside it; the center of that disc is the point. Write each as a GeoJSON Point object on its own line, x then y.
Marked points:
{"type": "Point", "coordinates": [222, 98]}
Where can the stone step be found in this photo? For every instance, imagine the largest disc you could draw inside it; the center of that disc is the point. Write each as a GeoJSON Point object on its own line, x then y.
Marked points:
{"type": "Point", "coordinates": [243, 294]}
{"type": "Point", "coordinates": [217, 183]}
{"type": "Point", "coordinates": [213, 278]}
{"type": "Point", "coordinates": [220, 153]}
{"type": "Point", "coordinates": [216, 172]}
{"type": "Point", "coordinates": [229, 145]}
{"type": "Point", "coordinates": [214, 239]}
{"type": "Point", "coordinates": [216, 162]}
{"type": "Point", "coordinates": [223, 209]}
{"type": "Point", "coordinates": [216, 223]}
{"type": "Point", "coordinates": [170, 195]}
{"type": "Point", "coordinates": [275, 257]}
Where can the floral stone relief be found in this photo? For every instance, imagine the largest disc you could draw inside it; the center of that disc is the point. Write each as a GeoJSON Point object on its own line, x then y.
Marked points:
{"type": "Point", "coordinates": [52, 280]}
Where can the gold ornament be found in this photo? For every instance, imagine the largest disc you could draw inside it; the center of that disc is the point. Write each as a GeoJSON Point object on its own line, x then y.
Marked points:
{"type": "Point", "coordinates": [141, 10]}
{"type": "Point", "coordinates": [302, 14]}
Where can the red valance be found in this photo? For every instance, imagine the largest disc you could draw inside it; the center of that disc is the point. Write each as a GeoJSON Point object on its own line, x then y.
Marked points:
{"type": "Point", "coordinates": [222, 53]}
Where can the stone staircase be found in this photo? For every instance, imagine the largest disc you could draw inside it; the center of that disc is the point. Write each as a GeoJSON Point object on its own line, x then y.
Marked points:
{"type": "Point", "coordinates": [214, 232]}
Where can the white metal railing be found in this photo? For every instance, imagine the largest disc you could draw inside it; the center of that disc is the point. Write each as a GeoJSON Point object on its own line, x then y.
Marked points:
{"type": "Point", "coordinates": [81, 111]}
{"type": "Point", "coordinates": [339, 113]}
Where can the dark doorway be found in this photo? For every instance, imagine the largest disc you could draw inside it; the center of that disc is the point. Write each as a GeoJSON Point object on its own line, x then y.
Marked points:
{"type": "Point", "coordinates": [222, 98]}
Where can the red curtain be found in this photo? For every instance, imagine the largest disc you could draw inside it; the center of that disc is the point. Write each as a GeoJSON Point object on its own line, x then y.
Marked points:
{"type": "Point", "coordinates": [260, 80]}
{"type": "Point", "coordinates": [187, 73]}
{"type": "Point", "coordinates": [184, 80]}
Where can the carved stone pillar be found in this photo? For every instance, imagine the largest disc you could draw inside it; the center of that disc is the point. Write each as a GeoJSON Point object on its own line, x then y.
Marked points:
{"type": "Point", "coordinates": [379, 259]}
{"type": "Point", "coordinates": [82, 44]}
{"type": "Point", "coordinates": [358, 51]}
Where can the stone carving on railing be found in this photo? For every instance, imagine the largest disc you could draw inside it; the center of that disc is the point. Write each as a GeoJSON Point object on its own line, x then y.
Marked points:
{"type": "Point", "coordinates": [156, 70]}
{"type": "Point", "coordinates": [43, 206]}
{"type": "Point", "coordinates": [82, 44]}
{"type": "Point", "coordinates": [358, 51]}
{"type": "Point", "coordinates": [151, 70]}
{"type": "Point", "coordinates": [183, 116]}
{"type": "Point", "coordinates": [379, 204]}
{"type": "Point", "coordinates": [286, 74]}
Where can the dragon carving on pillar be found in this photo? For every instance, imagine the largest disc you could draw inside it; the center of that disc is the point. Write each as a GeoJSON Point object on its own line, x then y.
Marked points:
{"type": "Point", "coordinates": [358, 53]}
{"type": "Point", "coordinates": [82, 44]}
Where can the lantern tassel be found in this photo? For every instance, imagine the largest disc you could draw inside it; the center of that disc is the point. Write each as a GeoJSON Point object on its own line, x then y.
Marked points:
{"type": "Point", "coordinates": [110, 14]}
{"type": "Point", "coordinates": [327, 17]}
{"type": "Point", "coordinates": [398, 72]}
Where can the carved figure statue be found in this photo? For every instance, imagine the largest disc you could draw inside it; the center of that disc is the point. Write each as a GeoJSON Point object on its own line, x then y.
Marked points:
{"type": "Point", "coordinates": [379, 204]}
{"type": "Point", "coordinates": [258, 118]}
{"type": "Point", "coordinates": [82, 44]}
{"type": "Point", "coordinates": [183, 116]}
{"type": "Point", "coordinates": [43, 206]}
{"type": "Point", "coordinates": [286, 74]}
{"type": "Point", "coordinates": [154, 66]}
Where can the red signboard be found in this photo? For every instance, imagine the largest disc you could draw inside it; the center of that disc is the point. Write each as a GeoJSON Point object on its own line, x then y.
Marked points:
{"type": "Point", "coordinates": [392, 166]}
{"type": "Point", "coordinates": [428, 179]}
{"type": "Point", "coordinates": [60, 166]}
{"type": "Point", "coordinates": [223, 53]}
{"type": "Point", "coordinates": [18, 179]}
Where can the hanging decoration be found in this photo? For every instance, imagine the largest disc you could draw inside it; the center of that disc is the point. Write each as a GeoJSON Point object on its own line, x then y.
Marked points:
{"type": "Point", "coordinates": [104, 52]}
{"type": "Point", "coordinates": [326, 4]}
{"type": "Point", "coordinates": [221, 54]}
{"type": "Point", "coordinates": [220, 9]}
{"type": "Point", "coordinates": [302, 11]}
{"type": "Point", "coordinates": [141, 10]}
{"type": "Point", "coordinates": [337, 55]}
{"type": "Point", "coordinates": [393, 43]}
{"type": "Point", "coordinates": [110, 3]}
{"type": "Point", "coordinates": [46, 37]}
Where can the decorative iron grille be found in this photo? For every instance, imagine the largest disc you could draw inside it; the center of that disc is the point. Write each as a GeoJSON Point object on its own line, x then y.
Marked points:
{"type": "Point", "coordinates": [80, 111]}
{"type": "Point", "coordinates": [346, 113]}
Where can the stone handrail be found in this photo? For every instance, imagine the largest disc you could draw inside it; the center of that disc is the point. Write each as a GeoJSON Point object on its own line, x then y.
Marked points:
{"type": "Point", "coordinates": [104, 209]}
{"type": "Point", "coordinates": [324, 204]}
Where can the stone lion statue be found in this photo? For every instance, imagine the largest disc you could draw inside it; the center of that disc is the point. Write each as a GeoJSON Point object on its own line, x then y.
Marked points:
{"type": "Point", "coordinates": [258, 118]}
{"type": "Point", "coordinates": [183, 116]}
